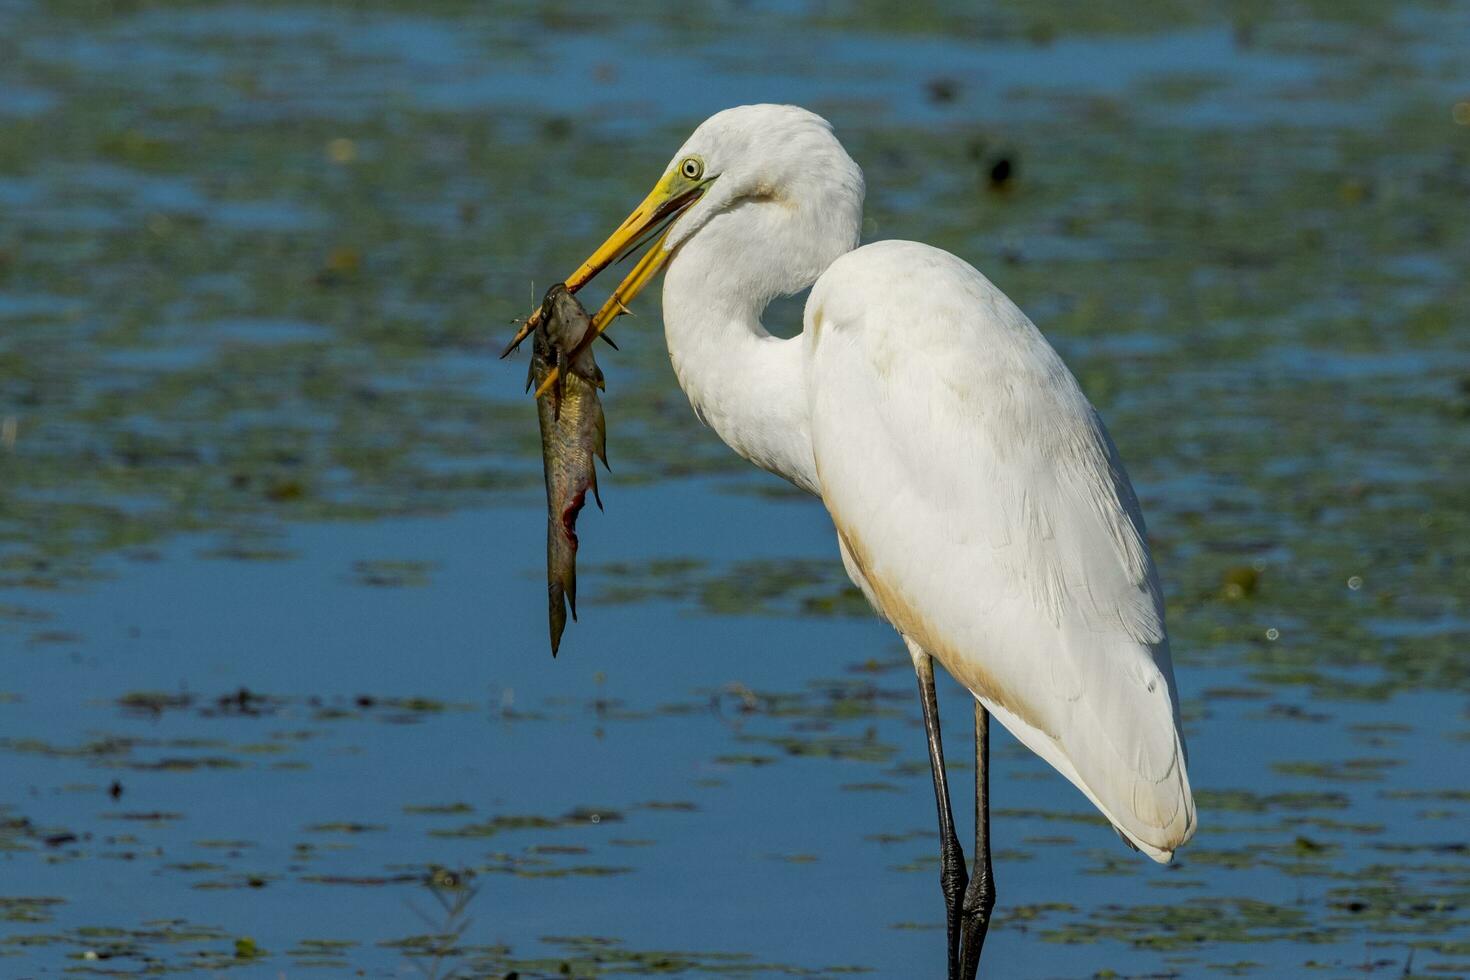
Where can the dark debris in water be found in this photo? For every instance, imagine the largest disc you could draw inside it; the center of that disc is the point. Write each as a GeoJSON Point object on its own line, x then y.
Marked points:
{"type": "Point", "coordinates": [579, 817]}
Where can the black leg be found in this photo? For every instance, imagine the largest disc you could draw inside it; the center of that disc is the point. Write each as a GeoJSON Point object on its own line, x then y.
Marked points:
{"type": "Point", "coordinates": [952, 878]}
{"type": "Point", "coordinates": [980, 895]}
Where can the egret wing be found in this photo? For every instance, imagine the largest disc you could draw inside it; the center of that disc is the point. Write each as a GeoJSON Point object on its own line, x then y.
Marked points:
{"type": "Point", "coordinates": [983, 506]}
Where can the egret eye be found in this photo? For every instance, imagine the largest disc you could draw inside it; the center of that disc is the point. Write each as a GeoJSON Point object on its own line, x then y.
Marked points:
{"type": "Point", "coordinates": [692, 168]}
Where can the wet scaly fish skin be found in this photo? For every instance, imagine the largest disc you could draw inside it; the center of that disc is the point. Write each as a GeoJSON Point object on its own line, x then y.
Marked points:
{"type": "Point", "coordinates": [572, 433]}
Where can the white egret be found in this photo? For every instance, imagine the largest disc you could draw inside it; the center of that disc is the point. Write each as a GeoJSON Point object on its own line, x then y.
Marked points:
{"type": "Point", "coordinates": [979, 502]}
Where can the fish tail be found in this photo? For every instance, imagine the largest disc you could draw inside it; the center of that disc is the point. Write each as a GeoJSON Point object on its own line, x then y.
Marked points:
{"type": "Point", "coordinates": [555, 585]}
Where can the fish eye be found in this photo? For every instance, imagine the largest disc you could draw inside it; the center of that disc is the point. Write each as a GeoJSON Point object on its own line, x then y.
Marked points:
{"type": "Point", "coordinates": [692, 168]}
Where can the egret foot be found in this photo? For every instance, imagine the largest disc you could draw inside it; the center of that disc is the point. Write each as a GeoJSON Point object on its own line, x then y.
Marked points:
{"type": "Point", "coordinates": [980, 894]}
{"type": "Point", "coordinates": [953, 883]}
{"type": "Point", "coordinates": [975, 922]}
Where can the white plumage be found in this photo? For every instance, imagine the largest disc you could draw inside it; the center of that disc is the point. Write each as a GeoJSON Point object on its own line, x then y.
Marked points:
{"type": "Point", "coordinates": [979, 502]}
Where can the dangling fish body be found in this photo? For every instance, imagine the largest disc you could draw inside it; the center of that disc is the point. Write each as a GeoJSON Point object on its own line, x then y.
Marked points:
{"type": "Point", "coordinates": [572, 433]}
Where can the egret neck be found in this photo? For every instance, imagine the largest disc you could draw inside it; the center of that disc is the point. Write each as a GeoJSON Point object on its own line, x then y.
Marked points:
{"type": "Point", "coordinates": [748, 385]}
{"type": "Point", "coordinates": [745, 383]}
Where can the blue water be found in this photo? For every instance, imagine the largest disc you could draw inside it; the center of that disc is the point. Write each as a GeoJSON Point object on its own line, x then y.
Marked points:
{"type": "Point", "coordinates": [524, 735]}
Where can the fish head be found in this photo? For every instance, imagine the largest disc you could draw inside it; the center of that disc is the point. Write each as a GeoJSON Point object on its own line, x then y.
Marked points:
{"type": "Point", "coordinates": [563, 318]}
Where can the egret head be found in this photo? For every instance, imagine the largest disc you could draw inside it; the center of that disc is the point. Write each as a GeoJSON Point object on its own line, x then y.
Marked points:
{"type": "Point", "coordinates": [769, 183]}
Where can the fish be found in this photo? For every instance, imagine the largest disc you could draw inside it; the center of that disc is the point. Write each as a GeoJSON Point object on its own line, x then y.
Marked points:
{"type": "Point", "coordinates": [573, 433]}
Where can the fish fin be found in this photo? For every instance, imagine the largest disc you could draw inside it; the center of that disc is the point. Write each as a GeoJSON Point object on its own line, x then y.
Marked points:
{"type": "Point", "coordinates": [592, 480]}
{"type": "Point", "coordinates": [600, 446]}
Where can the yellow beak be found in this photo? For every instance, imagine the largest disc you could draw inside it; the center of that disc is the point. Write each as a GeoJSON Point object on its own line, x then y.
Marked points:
{"type": "Point", "coordinates": [672, 195]}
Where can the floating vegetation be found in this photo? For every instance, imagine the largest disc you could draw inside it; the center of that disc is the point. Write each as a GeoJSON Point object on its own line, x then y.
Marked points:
{"type": "Point", "coordinates": [344, 827]}
{"type": "Point", "coordinates": [28, 909]}
{"type": "Point", "coordinates": [398, 573]}
{"type": "Point", "coordinates": [582, 816]}
{"type": "Point", "coordinates": [1351, 770]}
{"type": "Point", "coordinates": [788, 586]}
{"type": "Point", "coordinates": [438, 809]}
{"type": "Point", "coordinates": [595, 956]}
